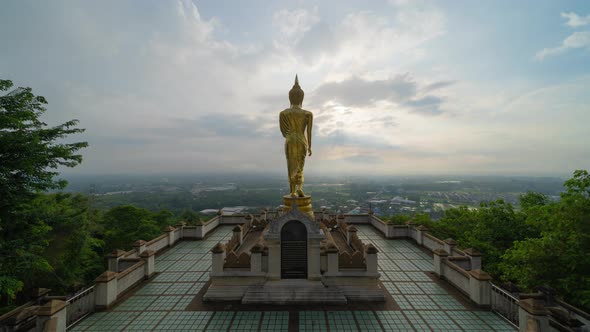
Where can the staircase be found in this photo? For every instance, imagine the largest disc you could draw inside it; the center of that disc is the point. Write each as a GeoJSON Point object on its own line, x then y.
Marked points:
{"type": "Point", "coordinates": [293, 291]}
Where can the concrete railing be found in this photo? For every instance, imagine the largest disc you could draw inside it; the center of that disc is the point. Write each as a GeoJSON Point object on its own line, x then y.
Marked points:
{"type": "Point", "coordinates": [130, 277]}
{"type": "Point", "coordinates": [158, 243]}
{"type": "Point", "coordinates": [126, 263]}
{"type": "Point", "coordinates": [233, 219]}
{"type": "Point", "coordinates": [456, 276]}
{"type": "Point", "coordinates": [210, 225]}
{"type": "Point", "coordinates": [191, 232]}
{"type": "Point", "coordinates": [432, 243]}
{"type": "Point", "coordinates": [379, 224]}
{"type": "Point", "coordinates": [357, 218]}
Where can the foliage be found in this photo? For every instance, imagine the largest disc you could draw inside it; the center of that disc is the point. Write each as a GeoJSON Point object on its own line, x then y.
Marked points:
{"type": "Point", "coordinates": [29, 152]}
{"type": "Point", "coordinates": [191, 217]}
{"type": "Point", "coordinates": [73, 252]}
{"type": "Point", "coordinates": [560, 256]}
{"type": "Point", "coordinates": [531, 200]}
{"type": "Point", "coordinates": [399, 219]}
{"type": "Point", "coordinates": [492, 228]}
{"type": "Point", "coordinates": [123, 225]}
{"type": "Point", "coordinates": [29, 156]}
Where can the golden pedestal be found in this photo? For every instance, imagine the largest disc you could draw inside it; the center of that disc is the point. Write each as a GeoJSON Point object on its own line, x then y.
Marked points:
{"type": "Point", "coordinates": [303, 204]}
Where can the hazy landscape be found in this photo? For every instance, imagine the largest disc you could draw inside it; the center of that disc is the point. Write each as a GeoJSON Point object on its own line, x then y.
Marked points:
{"type": "Point", "coordinates": [387, 196]}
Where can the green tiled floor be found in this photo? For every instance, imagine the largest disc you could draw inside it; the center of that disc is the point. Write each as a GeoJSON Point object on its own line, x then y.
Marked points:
{"type": "Point", "coordinates": [146, 321]}
{"type": "Point", "coordinates": [246, 321]}
{"type": "Point", "coordinates": [184, 321]}
{"type": "Point", "coordinates": [367, 321]}
{"type": "Point", "coordinates": [341, 321]}
{"type": "Point", "coordinates": [184, 269]}
{"type": "Point", "coordinates": [111, 321]}
{"type": "Point", "coordinates": [221, 321]}
{"type": "Point", "coordinates": [312, 321]}
{"type": "Point", "coordinates": [439, 321]}
{"type": "Point", "coordinates": [136, 303]}
{"type": "Point", "coordinates": [394, 321]}
{"type": "Point", "coordinates": [275, 321]}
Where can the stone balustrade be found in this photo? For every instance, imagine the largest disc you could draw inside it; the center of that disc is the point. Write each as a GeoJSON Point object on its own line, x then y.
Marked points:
{"type": "Point", "coordinates": [461, 268]}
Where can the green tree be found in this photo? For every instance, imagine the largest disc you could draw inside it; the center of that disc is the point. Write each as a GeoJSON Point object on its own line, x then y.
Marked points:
{"type": "Point", "coordinates": [190, 216]}
{"type": "Point", "coordinates": [73, 255]}
{"type": "Point", "coordinates": [492, 229]}
{"type": "Point", "coordinates": [399, 219]}
{"type": "Point", "coordinates": [29, 150]}
{"type": "Point", "coordinates": [560, 256]}
{"type": "Point", "coordinates": [30, 153]}
{"type": "Point", "coordinates": [532, 200]}
{"type": "Point", "coordinates": [123, 225]}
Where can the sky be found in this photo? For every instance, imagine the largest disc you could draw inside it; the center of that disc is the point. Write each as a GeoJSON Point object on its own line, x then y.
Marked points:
{"type": "Point", "coordinates": [396, 87]}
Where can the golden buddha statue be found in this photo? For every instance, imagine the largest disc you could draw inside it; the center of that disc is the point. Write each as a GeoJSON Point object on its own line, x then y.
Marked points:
{"type": "Point", "coordinates": [296, 124]}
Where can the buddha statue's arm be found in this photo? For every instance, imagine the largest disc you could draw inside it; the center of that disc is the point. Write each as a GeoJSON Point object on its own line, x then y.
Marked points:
{"type": "Point", "coordinates": [309, 125]}
{"type": "Point", "coordinates": [283, 124]}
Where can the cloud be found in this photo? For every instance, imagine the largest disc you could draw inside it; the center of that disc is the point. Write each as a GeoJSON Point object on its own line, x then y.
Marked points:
{"type": "Point", "coordinates": [359, 40]}
{"type": "Point", "coordinates": [574, 20]}
{"type": "Point", "coordinates": [428, 105]}
{"type": "Point", "coordinates": [437, 85]}
{"type": "Point", "coordinates": [359, 92]}
{"type": "Point", "coordinates": [294, 23]}
{"type": "Point", "coordinates": [577, 40]}
{"type": "Point", "coordinates": [400, 90]}
{"type": "Point", "coordinates": [160, 88]}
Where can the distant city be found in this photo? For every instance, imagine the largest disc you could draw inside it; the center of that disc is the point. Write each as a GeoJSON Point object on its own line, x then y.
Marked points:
{"type": "Point", "coordinates": [207, 195]}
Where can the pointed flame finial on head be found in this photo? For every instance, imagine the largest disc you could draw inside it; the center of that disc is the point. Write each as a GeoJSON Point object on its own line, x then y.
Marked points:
{"type": "Point", "coordinates": [296, 94]}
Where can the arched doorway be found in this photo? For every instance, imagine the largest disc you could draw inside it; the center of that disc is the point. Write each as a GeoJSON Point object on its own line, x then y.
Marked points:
{"type": "Point", "coordinates": [293, 250]}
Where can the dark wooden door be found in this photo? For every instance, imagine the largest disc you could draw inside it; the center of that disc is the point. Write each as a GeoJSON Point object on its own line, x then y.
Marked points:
{"type": "Point", "coordinates": [293, 250]}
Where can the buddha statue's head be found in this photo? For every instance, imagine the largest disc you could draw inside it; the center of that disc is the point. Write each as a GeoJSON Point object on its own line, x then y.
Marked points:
{"type": "Point", "coordinates": [296, 94]}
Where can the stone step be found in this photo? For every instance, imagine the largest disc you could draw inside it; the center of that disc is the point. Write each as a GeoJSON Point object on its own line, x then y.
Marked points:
{"type": "Point", "coordinates": [293, 292]}
{"type": "Point", "coordinates": [220, 293]}
{"type": "Point", "coordinates": [363, 293]}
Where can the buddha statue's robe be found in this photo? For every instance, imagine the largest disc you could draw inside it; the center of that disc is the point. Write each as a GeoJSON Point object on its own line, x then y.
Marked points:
{"type": "Point", "coordinates": [295, 124]}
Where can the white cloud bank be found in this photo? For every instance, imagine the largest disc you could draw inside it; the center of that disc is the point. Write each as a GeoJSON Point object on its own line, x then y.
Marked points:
{"type": "Point", "coordinates": [574, 20]}
{"type": "Point", "coordinates": [577, 40]}
{"type": "Point", "coordinates": [159, 91]}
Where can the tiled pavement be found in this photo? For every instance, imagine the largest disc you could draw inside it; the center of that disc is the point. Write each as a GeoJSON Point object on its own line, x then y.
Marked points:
{"type": "Point", "coordinates": [183, 270]}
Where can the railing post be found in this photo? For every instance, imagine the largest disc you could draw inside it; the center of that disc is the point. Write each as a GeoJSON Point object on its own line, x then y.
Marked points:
{"type": "Point", "coordinates": [180, 226]}
{"type": "Point", "coordinates": [532, 316]}
{"type": "Point", "coordinates": [217, 258]}
{"type": "Point", "coordinates": [238, 233]}
{"type": "Point", "coordinates": [139, 246]}
{"type": "Point", "coordinates": [170, 231]}
{"type": "Point", "coordinates": [449, 244]}
{"type": "Point", "coordinates": [474, 257]}
{"type": "Point", "coordinates": [200, 230]}
{"type": "Point", "coordinates": [439, 255]}
{"type": "Point", "coordinates": [420, 230]}
{"type": "Point", "coordinates": [371, 258]}
{"type": "Point", "coordinates": [113, 260]}
{"type": "Point", "coordinates": [105, 289]}
{"type": "Point", "coordinates": [149, 257]}
{"type": "Point", "coordinates": [480, 288]}
{"type": "Point", "coordinates": [52, 316]}
{"type": "Point", "coordinates": [350, 232]}
{"type": "Point", "coordinates": [332, 253]}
